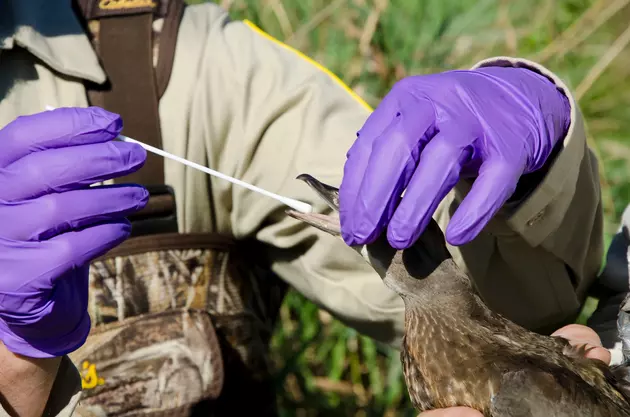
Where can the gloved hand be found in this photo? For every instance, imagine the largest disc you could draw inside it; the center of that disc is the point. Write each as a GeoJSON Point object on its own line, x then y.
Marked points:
{"type": "Point", "coordinates": [52, 224]}
{"type": "Point", "coordinates": [492, 124]}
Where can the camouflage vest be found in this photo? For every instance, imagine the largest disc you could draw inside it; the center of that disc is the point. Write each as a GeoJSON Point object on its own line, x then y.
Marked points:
{"type": "Point", "coordinates": [181, 323]}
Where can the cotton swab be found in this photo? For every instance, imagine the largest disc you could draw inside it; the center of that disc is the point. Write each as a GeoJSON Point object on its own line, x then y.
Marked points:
{"type": "Point", "coordinates": [294, 204]}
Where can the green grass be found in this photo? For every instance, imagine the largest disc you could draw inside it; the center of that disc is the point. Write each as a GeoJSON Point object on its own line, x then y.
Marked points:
{"type": "Point", "coordinates": [323, 367]}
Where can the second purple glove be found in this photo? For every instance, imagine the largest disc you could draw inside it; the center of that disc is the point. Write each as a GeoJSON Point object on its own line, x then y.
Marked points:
{"type": "Point", "coordinates": [52, 224]}
{"type": "Point", "coordinates": [492, 124]}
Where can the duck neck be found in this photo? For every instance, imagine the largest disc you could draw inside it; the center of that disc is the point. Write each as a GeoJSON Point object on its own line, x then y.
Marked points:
{"type": "Point", "coordinates": [445, 291]}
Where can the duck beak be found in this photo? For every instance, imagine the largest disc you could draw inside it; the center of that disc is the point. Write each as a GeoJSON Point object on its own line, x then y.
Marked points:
{"type": "Point", "coordinates": [328, 193]}
{"type": "Point", "coordinates": [328, 223]}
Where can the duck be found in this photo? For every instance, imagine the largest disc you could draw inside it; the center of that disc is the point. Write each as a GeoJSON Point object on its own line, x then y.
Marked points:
{"type": "Point", "coordinates": [458, 352]}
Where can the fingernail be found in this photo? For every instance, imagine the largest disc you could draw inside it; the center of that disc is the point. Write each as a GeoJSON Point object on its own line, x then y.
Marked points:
{"type": "Point", "coordinates": [142, 195]}
{"type": "Point", "coordinates": [113, 120]}
{"type": "Point", "coordinates": [137, 153]}
{"type": "Point", "coordinates": [455, 235]}
{"type": "Point", "coordinates": [364, 230]}
{"type": "Point", "coordinates": [349, 239]}
{"type": "Point", "coordinates": [454, 240]}
{"type": "Point", "coordinates": [131, 154]}
{"type": "Point", "coordinates": [126, 229]}
{"type": "Point", "coordinates": [396, 240]}
{"type": "Point", "coordinates": [99, 111]}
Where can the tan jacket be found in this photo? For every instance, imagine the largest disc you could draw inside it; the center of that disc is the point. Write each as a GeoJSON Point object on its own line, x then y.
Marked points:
{"type": "Point", "coordinates": [246, 105]}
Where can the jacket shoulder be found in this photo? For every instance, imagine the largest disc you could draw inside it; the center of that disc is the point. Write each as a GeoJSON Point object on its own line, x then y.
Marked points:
{"type": "Point", "coordinates": [205, 16]}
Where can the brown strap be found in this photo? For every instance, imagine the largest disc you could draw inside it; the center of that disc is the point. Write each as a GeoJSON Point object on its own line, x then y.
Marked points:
{"type": "Point", "coordinates": [167, 44]}
{"type": "Point", "coordinates": [125, 45]}
{"type": "Point", "coordinates": [125, 48]}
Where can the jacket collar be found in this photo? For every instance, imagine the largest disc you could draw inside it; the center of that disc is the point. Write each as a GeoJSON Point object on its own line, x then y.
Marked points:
{"type": "Point", "coordinates": [50, 31]}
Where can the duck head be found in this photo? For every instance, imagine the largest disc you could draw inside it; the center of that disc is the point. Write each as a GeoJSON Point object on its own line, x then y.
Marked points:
{"type": "Point", "coordinates": [424, 269]}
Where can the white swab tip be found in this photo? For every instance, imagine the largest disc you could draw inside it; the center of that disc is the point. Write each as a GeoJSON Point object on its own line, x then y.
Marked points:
{"type": "Point", "coordinates": [299, 206]}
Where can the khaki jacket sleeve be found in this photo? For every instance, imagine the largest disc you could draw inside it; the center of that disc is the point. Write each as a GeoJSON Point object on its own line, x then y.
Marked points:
{"type": "Point", "coordinates": [268, 114]}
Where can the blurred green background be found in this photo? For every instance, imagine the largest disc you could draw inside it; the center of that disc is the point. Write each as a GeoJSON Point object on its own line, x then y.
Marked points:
{"type": "Point", "coordinates": [323, 367]}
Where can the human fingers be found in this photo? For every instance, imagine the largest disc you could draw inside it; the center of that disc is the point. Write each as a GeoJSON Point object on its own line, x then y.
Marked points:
{"type": "Point", "coordinates": [64, 169]}
{"type": "Point", "coordinates": [80, 247]}
{"type": "Point", "coordinates": [34, 267]}
{"type": "Point", "coordinates": [357, 159]}
{"type": "Point", "coordinates": [56, 128]}
{"type": "Point", "coordinates": [494, 185]}
{"type": "Point", "coordinates": [376, 175]}
{"type": "Point", "coordinates": [579, 335]}
{"type": "Point", "coordinates": [53, 214]}
{"type": "Point", "coordinates": [452, 412]}
{"type": "Point", "coordinates": [437, 173]}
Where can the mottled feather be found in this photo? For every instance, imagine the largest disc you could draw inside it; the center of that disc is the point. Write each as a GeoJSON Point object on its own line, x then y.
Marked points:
{"type": "Point", "coordinates": [457, 352]}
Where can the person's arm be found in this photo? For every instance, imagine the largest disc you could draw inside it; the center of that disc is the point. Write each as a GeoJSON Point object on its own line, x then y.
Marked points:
{"type": "Point", "coordinates": [25, 383]}
{"type": "Point", "coordinates": [268, 114]}
{"type": "Point", "coordinates": [51, 228]}
{"type": "Point", "coordinates": [32, 387]}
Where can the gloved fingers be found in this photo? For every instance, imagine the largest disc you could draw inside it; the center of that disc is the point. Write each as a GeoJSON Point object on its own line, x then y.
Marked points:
{"type": "Point", "coordinates": [27, 307]}
{"type": "Point", "coordinates": [375, 177]}
{"type": "Point", "coordinates": [78, 248]}
{"type": "Point", "coordinates": [64, 169]}
{"type": "Point", "coordinates": [356, 164]}
{"type": "Point", "coordinates": [53, 214]}
{"type": "Point", "coordinates": [56, 128]}
{"type": "Point", "coordinates": [31, 268]}
{"type": "Point", "coordinates": [437, 173]}
{"type": "Point", "coordinates": [381, 118]}
{"type": "Point", "coordinates": [495, 184]}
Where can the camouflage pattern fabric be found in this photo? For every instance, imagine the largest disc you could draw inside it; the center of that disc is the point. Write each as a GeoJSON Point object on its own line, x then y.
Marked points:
{"type": "Point", "coordinates": [180, 325]}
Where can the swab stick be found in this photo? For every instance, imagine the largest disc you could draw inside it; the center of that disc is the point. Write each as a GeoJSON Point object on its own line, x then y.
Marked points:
{"type": "Point", "coordinates": [294, 204]}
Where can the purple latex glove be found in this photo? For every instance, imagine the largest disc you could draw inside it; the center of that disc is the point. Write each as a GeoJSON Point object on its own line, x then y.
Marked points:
{"type": "Point", "coordinates": [492, 124]}
{"type": "Point", "coordinates": [52, 224]}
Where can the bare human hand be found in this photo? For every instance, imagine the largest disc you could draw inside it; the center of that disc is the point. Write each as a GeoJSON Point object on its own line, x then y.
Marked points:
{"type": "Point", "coordinates": [576, 334]}
{"type": "Point", "coordinates": [452, 412]}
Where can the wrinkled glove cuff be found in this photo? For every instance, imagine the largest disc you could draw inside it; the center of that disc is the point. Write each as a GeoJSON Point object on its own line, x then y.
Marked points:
{"type": "Point", "coordinates": [48, 347]}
